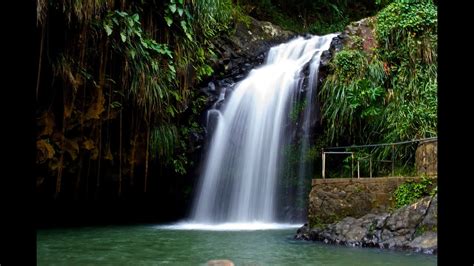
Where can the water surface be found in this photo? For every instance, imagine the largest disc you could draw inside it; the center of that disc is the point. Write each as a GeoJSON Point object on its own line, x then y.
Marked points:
{"type": "Point", "coordinates": [159, 245]}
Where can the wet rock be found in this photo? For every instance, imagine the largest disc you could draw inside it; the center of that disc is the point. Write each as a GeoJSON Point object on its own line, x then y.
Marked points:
{"type": "Point", "coordinates": [361, 35]}
{"type": "Point", "coordinates": [257, 37]}
{"type": "Point", "coordinates": [246, 48]}
{"type": "Point", "coordinates": [303, 233]}
{"type": "Point", "coordinates": [431, 218]}
{"type": "Point", "coordinates": [211, 86]}
{"type": "Point", "coordinates": [410, 227]}
{"type": "Point", "coordinates": [408, 217]}
{"type": "Point", "coordinates": [336, 46]}
{"type": "Point", "coordinates": [426, 243]}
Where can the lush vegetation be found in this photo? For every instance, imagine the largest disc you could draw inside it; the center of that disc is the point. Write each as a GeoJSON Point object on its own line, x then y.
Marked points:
{"type": "Point", "coordinates": [411, 191]}
{"type": "Point", "coordinates": [115, 90]}
{"type": "Point", "coordinates": [313, 16]}
{"type": "Point", "coordinates": [386, 91]}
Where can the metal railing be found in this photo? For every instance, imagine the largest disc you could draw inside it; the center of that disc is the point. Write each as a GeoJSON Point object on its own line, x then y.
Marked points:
{"type": "Point", "coordinates": [326, 151]}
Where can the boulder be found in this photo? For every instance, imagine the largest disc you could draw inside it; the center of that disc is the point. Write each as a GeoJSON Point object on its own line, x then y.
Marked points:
{"type": "Point", "coordinates": [220, 263]}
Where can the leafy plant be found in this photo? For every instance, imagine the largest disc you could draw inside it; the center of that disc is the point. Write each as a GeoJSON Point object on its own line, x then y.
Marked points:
{"type": "Point", "coordinates": [410, 191]}
{"type": "Point", "coordinates": [409, 47]}
{"type": "Point", "coordinates": [352, 95]}
{"type": "Point", "coordinates": [127, 70]}
{"type": "Point", "coordinates": [213, 16]}
{"type": "Point", "coordinates": [147, 60]}
{"type": "Point", "coordinates": [389, 95]}
{"type": "Point", "coordinates": [163, 141]}
{"type": "Point", "coordinates": [177, 11]}
{"type": "Point", "coordinates": [402, 17]}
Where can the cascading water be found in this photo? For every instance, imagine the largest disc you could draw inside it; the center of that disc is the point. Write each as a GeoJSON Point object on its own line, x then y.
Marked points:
{"type": "Point", "coordinates": [244, 160]}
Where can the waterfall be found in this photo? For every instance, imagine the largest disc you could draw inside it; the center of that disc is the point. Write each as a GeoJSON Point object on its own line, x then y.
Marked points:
{"type": "Point", "coordinates": [244, 160]}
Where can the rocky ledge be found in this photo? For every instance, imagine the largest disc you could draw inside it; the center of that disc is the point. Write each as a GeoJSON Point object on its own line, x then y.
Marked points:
{"type": "Point", "coordinates": [413, 227]}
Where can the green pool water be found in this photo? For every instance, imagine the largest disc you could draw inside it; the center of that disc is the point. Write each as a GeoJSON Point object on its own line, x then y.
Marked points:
{"type": "Point", "coordinates": [156, 245]}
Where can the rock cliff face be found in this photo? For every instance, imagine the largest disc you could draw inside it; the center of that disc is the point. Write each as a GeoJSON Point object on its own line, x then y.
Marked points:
{"type": "Point", "coordinates": [246, 48]}
{"type": "Point", "coordinates": [360, 35]}
{"type": "Point", "coordinates": [412, 227]}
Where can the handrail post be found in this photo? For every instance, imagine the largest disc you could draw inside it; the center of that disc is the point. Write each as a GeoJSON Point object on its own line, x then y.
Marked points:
{"type": "Point", "coordinates": [393, 160]}
{"type": "Point", "coordinates": [352, 165]}
{"type": "Point", "coordinates": [324, 163]}
{"type": "Point", "coordinates": [370, 165]}
{"type": "Point", "coordinates": [358, 169]}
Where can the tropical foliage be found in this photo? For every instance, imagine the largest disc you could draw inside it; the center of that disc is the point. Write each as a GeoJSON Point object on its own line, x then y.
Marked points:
{"type": "Point", "coordinates": [115, 87]}
{"type": "Point", "coordinates": [314, 16]}
{"type": "Point", "coordinates": [410, 191]}
{"type": "Point", "coordinates": [389, 93]}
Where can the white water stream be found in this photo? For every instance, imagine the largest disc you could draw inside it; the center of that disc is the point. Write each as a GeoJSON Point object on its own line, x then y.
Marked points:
{"type": "Point", "coordinates": [239, 181]}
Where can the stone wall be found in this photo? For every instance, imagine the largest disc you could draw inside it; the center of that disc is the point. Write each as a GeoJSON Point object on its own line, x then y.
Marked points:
{"type": "Point", "coordinates": [331, 200]}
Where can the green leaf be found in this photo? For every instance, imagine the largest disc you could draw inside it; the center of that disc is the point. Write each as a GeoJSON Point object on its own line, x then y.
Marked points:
{"type": "Point", "coordinates": [189, 36]}
{"type": "Point", "coordinates": [108, 29]}
{"type": "Point", "coordinates": [132, 54]}
{"type": "Point", "coordinates": [122, 14]}
{"type": "Point", "coordinates": [123, 36]}
{"type": "Point", "coordinates": [135, 17]}
{"type": "Point", "coordinates": [115, 104]}
{"type": "Point", "coordinates": [170, 110]}
{"type": "Point", "coordinates": [169, 21]}
{"type": "Point", "coordinates": [185, 28]}
{"type": "Point", "coordinates": [160, 93]}
{"type": "Point", "coordinates": [180, 1]}
{"type": "Point", "coordinates": [166, 51]}
{"type": "Point", "coordinates": [173, 8]}
{"type": "Point", "coordinates": [176, 95]}
{"type": "Point", "coordinates": [154, 65]}
{"type": "Point", "coordinates": [171, 67]}
{"type": "Point", "coordinates": [130, 22]}
{"type": "Point", "coordinates": [188, 14]}
{"type": "Point", "coordinates": [180, 11]}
